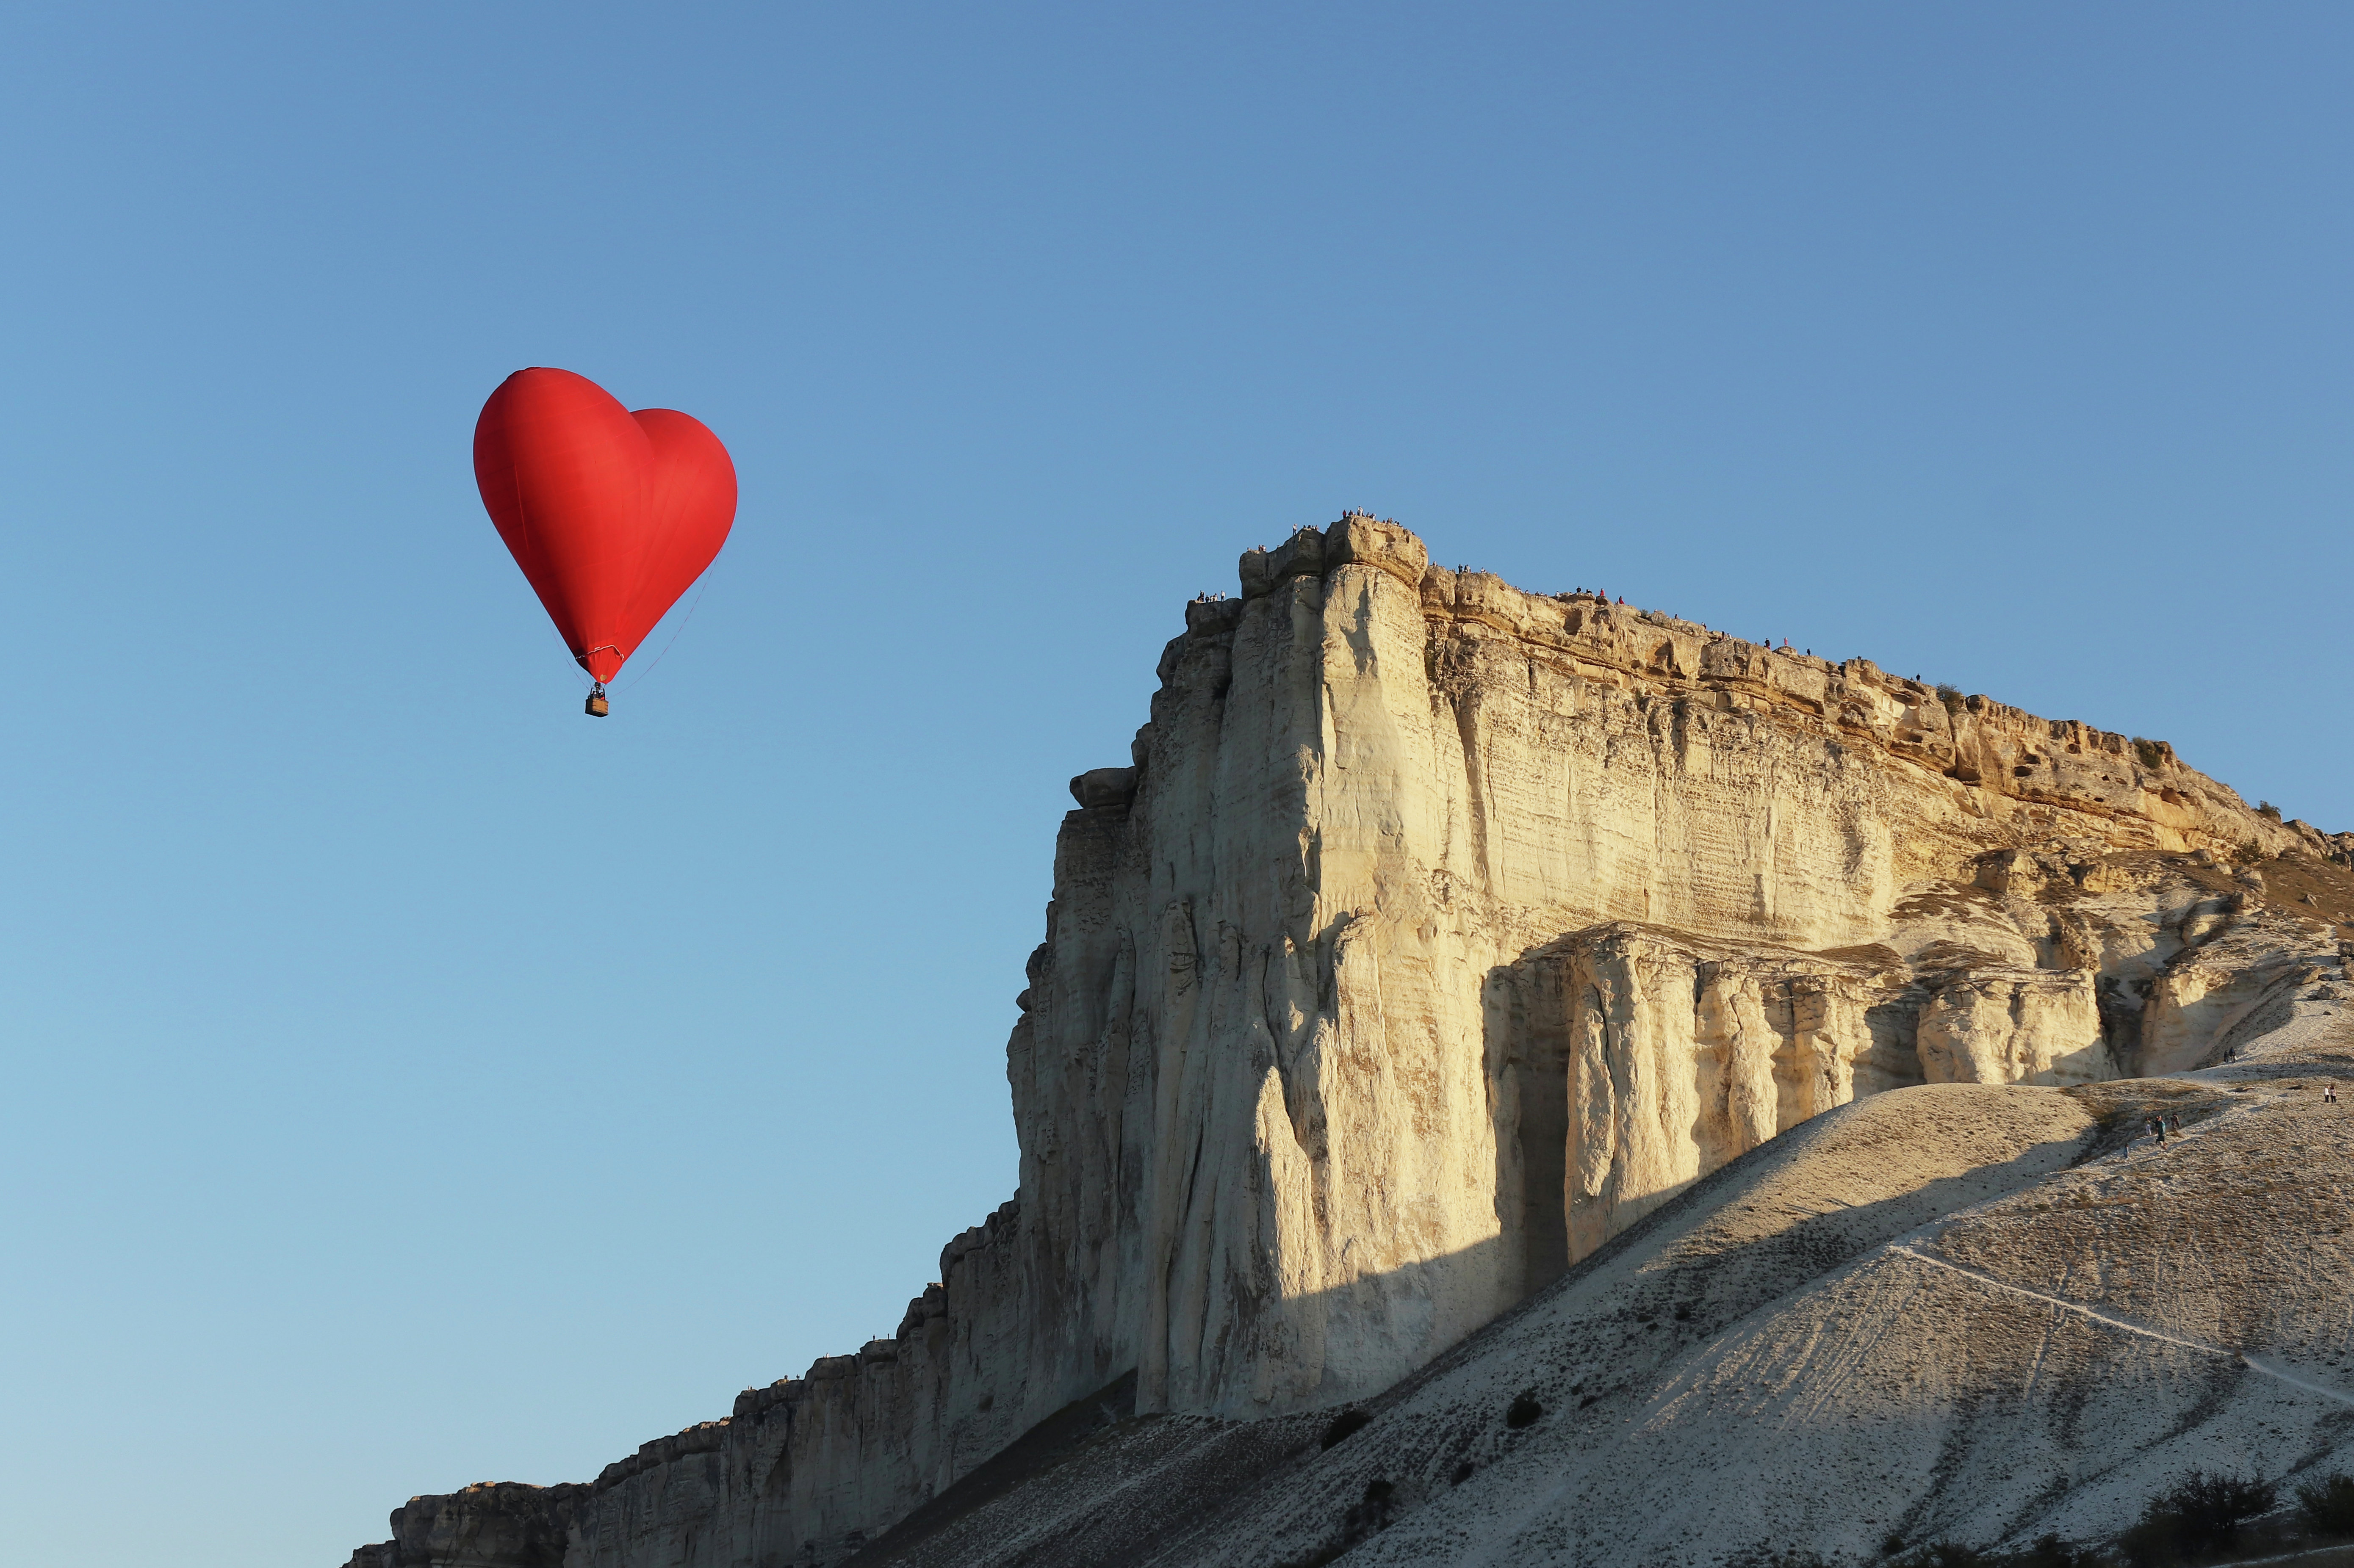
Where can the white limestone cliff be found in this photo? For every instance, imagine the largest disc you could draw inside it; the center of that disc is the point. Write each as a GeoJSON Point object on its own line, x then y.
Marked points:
{"type": "Point", "coordinates": [1434, 933]}
{"type": "Point", "coordinates": [1970, 1313]}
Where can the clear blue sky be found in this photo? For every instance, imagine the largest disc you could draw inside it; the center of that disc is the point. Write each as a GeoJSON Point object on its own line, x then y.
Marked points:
{"type": "Point", "coordinates": [410, 1082]}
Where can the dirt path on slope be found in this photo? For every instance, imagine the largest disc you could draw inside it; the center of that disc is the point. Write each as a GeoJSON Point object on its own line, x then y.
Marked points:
{"type": "Point", "coordinates": [2115, 1321]}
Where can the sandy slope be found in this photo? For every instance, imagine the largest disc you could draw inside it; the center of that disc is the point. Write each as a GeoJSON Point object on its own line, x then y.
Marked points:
{"type": "Point", "coordinates": [1952, 1310]}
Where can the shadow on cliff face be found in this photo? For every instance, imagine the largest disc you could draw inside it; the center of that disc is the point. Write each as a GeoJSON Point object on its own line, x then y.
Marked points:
{"type": "Point", "coordinates": [1527, 1055]}
{"type": "Point", "coordinates": [1571, 1374]}
{"type": "Point", "coordinates": [1182, 1489]}
{"type": "Point", "coordinates": [1736, 1256]}
{"type": "Point", "coordinates": [1020, 1462]}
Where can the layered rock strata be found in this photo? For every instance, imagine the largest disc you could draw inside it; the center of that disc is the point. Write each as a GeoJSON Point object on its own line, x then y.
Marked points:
{"type": "Point", "coordinates": [1434, 933]}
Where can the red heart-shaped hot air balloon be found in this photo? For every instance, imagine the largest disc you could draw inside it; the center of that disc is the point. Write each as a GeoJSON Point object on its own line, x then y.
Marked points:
{"type": "Point", "coordinates": [610, 515]}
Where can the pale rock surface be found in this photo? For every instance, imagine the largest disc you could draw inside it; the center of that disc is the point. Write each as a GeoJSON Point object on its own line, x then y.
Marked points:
{"type": "Point", "coordinates": [1970, 1312]}
{"type": "Point", "coordinates": [2015, 1026]}
{"type": "Point", "coordinates": [1434, 933]}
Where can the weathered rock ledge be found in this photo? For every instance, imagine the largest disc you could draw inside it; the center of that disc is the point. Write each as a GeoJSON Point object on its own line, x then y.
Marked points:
{"type": "Point", "coordinates": [1433, 934]}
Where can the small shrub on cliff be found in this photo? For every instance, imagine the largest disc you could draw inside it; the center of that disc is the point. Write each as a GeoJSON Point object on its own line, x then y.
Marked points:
{"type": "Point", "coordinates": [1951, 695]}
{"type": "Point", "coordinates": [2148, 752]}
{"type": "Point", "coordinates": [2050, 1552]}
{"type": "Point", "coordinates": [1329, 1554]}
{"type": "Point", "coordinates": [1359, 1524]}
{"type": "Point", "coordinates": [2200, 1514]}
{"type": "Point", "coordinates": [1948, 1555]}
{"type": "Point", "coordinates": [1345, 1425]}
{"type": "Point", "coordinates": [1763, 1556]}
{"type": "Point", "coordinates": [2269, 811]}
{"type": "Point", "coordinates": [2326, 1507]}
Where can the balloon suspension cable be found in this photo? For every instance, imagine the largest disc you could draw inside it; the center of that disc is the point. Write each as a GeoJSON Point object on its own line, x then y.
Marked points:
{"type": "Point", "coordinates": [597, 706]}
{"type": "Point", "coordinates": [700, 589]}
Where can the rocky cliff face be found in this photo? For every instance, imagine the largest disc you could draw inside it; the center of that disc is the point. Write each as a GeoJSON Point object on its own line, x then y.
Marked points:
{"type": "Point", "coordinates": [1436, 933]}
{"type": "Point", "coordinates": [1955, 1312]}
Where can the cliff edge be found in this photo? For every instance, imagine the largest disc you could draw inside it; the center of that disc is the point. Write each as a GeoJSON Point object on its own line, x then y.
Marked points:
{"type": "Point", "coordinates": [1433, 936]}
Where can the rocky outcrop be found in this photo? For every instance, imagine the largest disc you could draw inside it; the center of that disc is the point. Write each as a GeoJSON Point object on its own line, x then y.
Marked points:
{"type": "Point", "coordinates": [1956, 1312]}
{"type": "Point", "coordinates": [1434, 933]}
{"type": "Point", "coordinates": [1995, 1025]}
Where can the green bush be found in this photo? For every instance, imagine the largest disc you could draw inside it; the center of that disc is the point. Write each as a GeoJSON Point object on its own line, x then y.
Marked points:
{"type": "Point", "coordinates": [2200, 1514]}
{"type": "Point", "coordinates": [2326, 1507]}
{"type": "Point", "coordinates": [1951, 696]}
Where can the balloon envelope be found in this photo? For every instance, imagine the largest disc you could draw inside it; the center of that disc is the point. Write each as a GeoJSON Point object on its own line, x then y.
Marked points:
{"type": "Point", "coordinates": [610, 515]}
